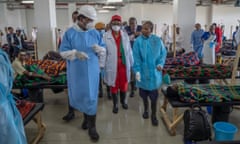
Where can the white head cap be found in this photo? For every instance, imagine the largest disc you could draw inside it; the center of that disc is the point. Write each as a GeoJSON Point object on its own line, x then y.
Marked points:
{"type": "Point", "coordinates": [88, 11]}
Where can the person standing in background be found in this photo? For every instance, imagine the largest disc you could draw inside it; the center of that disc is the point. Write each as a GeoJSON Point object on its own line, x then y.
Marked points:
{"type": "Point", "coordinates": [34, 34]}
{"type": "Point", "coordinates": [101, 28]}
{"type": "Point", "coordinates": [209, 39]}
{"type": "Point", "coordinates": [179, 40]}
{"type": "Point", "coordinates": [234, 42]}
{"type": "Point", "coordinates": [133, 30]}
{"type": "Point", "coordinates": [119, 61]}
{"type": "Point", "coordinates": [1, 38]}
{"type": "Point", "coordinates": [218, 32]}
{"type": "Point", "coordinates": [196, 40]}
{"type": "Point", "coordinates": [166, 38]}
{"type": "Point", "coordinates": [12, 47]}
{"type": "Point", "coordinates": [19, 40]}
{"type": "Point", "coordinates": [74, 17]}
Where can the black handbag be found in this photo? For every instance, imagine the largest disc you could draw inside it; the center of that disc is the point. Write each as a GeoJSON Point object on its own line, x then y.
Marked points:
{"type": "Point", "coordinates": [196, 124]}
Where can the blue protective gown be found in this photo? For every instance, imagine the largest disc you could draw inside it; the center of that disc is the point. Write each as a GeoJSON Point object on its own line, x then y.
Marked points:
{"type": "Point", "coordinates": [197, 42]}
{"type": "Point", "coordinates": [11, 124]}
{"type": "Point", "coordinates": [148, 53]}
{"type": "Point", "coordinates": [82, 75]}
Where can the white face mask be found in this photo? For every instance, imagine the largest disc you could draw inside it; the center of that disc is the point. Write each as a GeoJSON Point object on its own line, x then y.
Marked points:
{"type": "Point", "coordinates": [90, 25]}
{"type": "Point", "coordinates": [116, 28]}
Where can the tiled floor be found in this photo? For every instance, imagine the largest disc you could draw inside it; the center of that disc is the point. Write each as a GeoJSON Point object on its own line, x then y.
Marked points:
{"type": "Point", "coordinates": [126, 127]}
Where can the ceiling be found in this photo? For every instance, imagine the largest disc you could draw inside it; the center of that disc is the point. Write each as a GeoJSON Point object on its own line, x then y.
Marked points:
{"type": "Point", "coordinates": [16, 4]}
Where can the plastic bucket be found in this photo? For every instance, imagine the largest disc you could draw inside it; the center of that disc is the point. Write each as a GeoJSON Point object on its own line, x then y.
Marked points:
{"type": "Point", "coordinates": [224, 131]}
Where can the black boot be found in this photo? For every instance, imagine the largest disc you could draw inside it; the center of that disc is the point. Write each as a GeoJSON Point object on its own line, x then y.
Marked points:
{"type": "Point", "coordinates": [70, 115]}
{"type": "Point", "coordinates": [100, 93]}
{"type": "Point", "coordinates": [109, 93]}
{"type": "Point", "coordinates": [92, 132]}
{"type": "Point", "coordinates": [132, 88]}
{"type": "Point", "coordinates": [153, 116]}
{"type": "Point", "coordinates": [145, 113]}
{"type": "Point", "coordinates": [85, 121]}
{"type": "Point", "coordinates": [115, 103]}
{"type": "Point", "coordinates": [123, 100]}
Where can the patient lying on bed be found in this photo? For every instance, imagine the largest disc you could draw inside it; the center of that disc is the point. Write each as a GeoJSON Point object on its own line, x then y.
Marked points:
{"type": "Point", "coordinates": [203, 93]}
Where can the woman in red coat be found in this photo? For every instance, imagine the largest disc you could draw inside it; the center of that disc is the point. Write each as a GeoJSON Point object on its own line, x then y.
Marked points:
{"type": "Point", "coordinates": [218, 32]}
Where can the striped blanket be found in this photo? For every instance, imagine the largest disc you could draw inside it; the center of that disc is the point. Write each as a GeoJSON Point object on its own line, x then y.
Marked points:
{"type": "Point", "coordinates": [208, 93]}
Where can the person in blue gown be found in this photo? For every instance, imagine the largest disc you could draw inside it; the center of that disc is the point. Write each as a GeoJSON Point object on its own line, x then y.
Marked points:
{"type": "Point", "coordinates": [196, 40]}
{"type": "Point", "coordinates": [84, 50]}
{"type": "Point", "coordinates": [11, 124]}
{"type": "Point", "coordinates": [149, 55]}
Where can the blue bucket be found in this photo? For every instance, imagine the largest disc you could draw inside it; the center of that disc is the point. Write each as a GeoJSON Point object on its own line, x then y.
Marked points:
{"type": "Point", "coordinates": [224, 131]}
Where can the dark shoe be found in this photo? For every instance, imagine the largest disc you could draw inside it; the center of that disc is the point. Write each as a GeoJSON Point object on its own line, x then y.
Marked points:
{"type": "Point", "coordinates": [125, 106]}
{"type": "Point", "coordinates": [115, 110]}
{"type": "Point", "coordinates": [109, 93]}
{"type": "Point", "coordinates": [85, 122]}
{"type": "Point", "coordinates": [145, 106]}
{"type": "Point", "coordinates": [132, 94]}
{"type": "Point", "coordinates": [123, 99]}
{"type": "Point", "coordinates": [92, 132]}
{"type": "Point", "coordinates": [100, 95]}
{"type": "Point", "coordinates": [115, 103]}
{"type": "Point", "coordinates": [154, 121]}
{"type": "Point", "coordinates": [145, 115]}
{"type": "Point", "coordinates": [154, 111]}
{"type": "Point", "coordinates": [109, 96]}
{"type": "Point", "coordinates": [133, 88]}
{"type": "Point", "coordinates": [69, 117]}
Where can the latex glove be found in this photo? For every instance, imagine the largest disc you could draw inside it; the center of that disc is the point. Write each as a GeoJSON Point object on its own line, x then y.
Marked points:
{"type": "Point", "coordinates": [138, 76]}
{"type": "Point", "coordinates": [82, 55]}
{"type": "Point", "coordinates": [166, 79]}
{"type": "Point", "coordinates": [159, 68]}
{"type": "Point", "coordinates": [69, 55]}
{"type": "Point", "coordinates": [97, 48]}
{"type": "Point", "coordinates": [132, 37]}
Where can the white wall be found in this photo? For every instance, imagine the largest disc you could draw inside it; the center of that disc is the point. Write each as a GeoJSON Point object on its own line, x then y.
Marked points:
{"type": "Point", "coordinates": [30, 20]}
{"type": "Point", "coordinates": [157, 13]}
{"type": "Point", "coordinates": [61, 14]}
{"type": "Point", "coordinates": [62, 18]}
{"type": "Point", "coordinates": [14, 18]}
{"type": "Point", "coordinates": [201, 16]}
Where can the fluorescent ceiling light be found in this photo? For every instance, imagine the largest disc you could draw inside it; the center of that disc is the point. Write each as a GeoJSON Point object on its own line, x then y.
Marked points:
{"type": "Point", "coordinates": [111, 1]}
{"type": "Point", "coordinates": [27, 2]}
{"type": "Point", "coordinates": [108, 7]}
{"type": "Point", "coordinates": [103, 11]}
